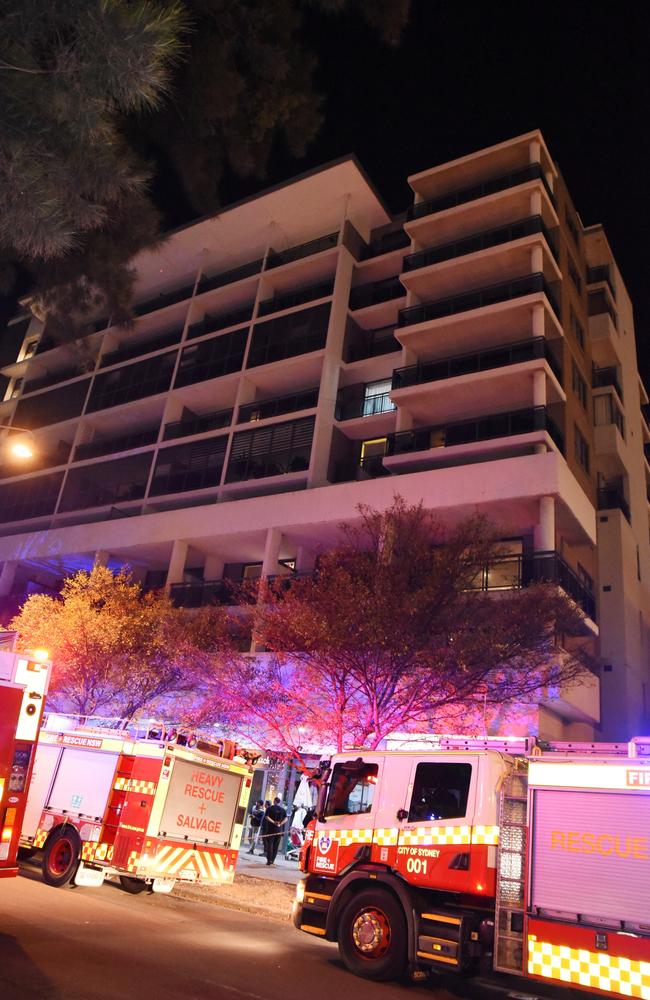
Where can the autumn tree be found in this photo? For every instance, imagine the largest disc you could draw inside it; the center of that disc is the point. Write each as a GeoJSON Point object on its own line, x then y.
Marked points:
{"type": "Point", "coordinates": [392, 631]}
{"type": "Point", "coordinates": [115, 650]}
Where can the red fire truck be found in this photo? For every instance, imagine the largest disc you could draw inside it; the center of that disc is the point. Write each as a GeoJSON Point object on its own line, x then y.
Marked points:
{"type": "Point", "coordinates": [150, 806]}
{"type": "Point", "coordinates": [23, 686]}
{"type": "Point", "coordinates": [483, 855]}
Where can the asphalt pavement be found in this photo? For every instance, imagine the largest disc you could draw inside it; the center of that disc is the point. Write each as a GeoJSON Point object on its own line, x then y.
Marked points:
{"type": "Point", "coordinates": [103, 944]}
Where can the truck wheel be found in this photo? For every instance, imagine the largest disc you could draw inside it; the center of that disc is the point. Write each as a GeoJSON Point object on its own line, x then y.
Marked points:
{"type": "Point", "coordinates": [61, 856]}
{"type": "Point", "coordinates": [372, 936]}
{"type": "Point", "coordinates": [132, 885]}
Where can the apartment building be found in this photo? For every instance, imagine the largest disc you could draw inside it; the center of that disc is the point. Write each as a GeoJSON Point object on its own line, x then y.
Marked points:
{"type": "Point", "coordinates": [303, 352]}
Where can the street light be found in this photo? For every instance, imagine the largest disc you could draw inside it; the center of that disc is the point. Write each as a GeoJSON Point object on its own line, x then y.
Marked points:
{"type": "Point", "coordinates": [23, 448]}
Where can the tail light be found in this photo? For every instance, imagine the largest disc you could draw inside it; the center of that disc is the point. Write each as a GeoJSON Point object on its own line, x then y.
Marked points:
{"type": "Point", "coordinates": [8, 827]}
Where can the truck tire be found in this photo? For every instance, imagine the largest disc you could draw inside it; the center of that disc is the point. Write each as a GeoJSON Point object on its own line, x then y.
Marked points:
{"type": "Point", "coordinates": [372, 936]}
{"type": "Point", "coordinates": [132, 885]}
{"type": "Point", "coordinates": [61, 856]}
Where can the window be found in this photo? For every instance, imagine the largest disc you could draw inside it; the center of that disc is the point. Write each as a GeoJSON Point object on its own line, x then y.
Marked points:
{"type": "Point", "coordinates": [372, 453]}
{"type": "Point", "coordinates": [376, 398]}
{"type": "Point", "coordinates": [579, 385]}
{"type": "Point", "coordinates": [577, 330]}
{"type": "Point", "coordinates": [440, 791]}
{"type": "Point", "coordinates": [351, 788]}
{"type": "Point", "coordinates": [271, 451]}
{"type": "Point", "coordinates": [30, 349]}
{"type": "Point", "coordinates": [586, 579]}
{"type": "Point", "coordinates": [575, 277]}
{"type": "Point", "coordinates": [251, 571]}
{"type": "Point", "coordinates": [572, 227]}
{"type": "Point", "coordinates": [581, 449]}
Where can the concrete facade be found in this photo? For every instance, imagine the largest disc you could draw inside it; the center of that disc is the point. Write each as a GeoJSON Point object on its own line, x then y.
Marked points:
{"type": "Point", "coordinates": [303, 352]}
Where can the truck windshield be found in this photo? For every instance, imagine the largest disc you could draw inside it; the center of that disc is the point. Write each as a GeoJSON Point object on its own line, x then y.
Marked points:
{"type": "Point", "coordinates": [351, 788]}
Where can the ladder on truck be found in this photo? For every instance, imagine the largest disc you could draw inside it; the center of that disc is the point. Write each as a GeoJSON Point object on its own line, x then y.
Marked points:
{"type": "Point", "coordinates": [511, 874]}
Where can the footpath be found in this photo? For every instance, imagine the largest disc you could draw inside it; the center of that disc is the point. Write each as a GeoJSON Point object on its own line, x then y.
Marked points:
{"type": "Point", "coordinates": [256, 889]}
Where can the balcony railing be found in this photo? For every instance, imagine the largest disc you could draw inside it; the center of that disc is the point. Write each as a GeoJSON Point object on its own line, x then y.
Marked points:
{"type": "Point", "coordinates": [603, 377]}
{"type": "Point", "coordinates": [127, 394]}
{"type": "Point", "coordinates": [373, 344]}
{"type": "Point", "coordinates": [396, 240]}
{"type": "Point", "coordinates": [514, 572]}
{"type": "Point", "coordinates": [611, 498]}
{"type": "Point", "coordinates": [165, 299]}
{"type": "Point", "coordinates": [481, 241]}
{"type": "Point", "coordinates": [279, 463]}
{"type": "Point", "coordinates": [53, 377]}
{"type": "Point", "coordinates": [197, 425]}
{"type": "Point", "coordinates": [607, 411]}
{"type": "Point", "coordinates": [602, 273]}
{"type": "Point", "coordinates": [186, 480]}
{"type": "Point", "coordinates": [210, 324]}
{"type": "Point", "coordinates": [477, 299]}
{"type": "Point", "coordinates": [209, 282]}
{"type": "Point", "coordinates": [93, 449]}
{"type": "Point", "coordinates": [201, 371]}
{"type": "Point", "coordinates": [365, 407]}
{"type": "Point", "coordinates": [530, 173]}
{"type": "Point", "coordinates": [266, 353]}
{"type": "Point", "coordinates": [276, 259]}
{"type": "Point", "coordinates": [145, 347]}
{"type": "Point", "coordinates": [376, 292]}
{"type": "Point", "coordinates": [202, 593]}
{"type": "Point", "coordinates": [469, 364]}
{"type": "Point", "coordinates": [497, 425]}
{"type": "Point", "coordinates": [265, 408]}
{"type": "Point", "coordinates": [296, 298]}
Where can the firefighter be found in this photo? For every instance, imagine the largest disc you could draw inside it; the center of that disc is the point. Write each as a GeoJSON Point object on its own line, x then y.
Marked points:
{"type": "Point", "coordinates": [274, 820]}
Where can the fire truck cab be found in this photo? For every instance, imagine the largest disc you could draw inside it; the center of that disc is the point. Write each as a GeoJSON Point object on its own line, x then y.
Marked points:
{"type": "Point", "coordinates": [498, 855]}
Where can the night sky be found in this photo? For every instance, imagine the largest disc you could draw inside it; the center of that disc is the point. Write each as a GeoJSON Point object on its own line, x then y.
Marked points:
{"type": "Point", "coordinates": [468, 75]}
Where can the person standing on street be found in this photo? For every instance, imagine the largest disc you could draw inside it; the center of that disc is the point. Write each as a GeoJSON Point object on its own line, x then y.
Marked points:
{"type": "Point", "coordinates": [256, 817]}
{"type": "Point", "coordinates": [274, 820]}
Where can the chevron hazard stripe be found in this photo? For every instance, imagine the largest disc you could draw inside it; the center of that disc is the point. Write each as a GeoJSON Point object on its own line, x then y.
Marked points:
{"type": "Point", "coordinates": [172, 861]}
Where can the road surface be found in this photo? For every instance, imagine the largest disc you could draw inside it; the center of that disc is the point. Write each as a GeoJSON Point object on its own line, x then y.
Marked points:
{"type": "Point", "coordinates": [102, 944]}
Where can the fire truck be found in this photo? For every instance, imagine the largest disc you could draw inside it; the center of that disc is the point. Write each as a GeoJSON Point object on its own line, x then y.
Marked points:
{"type": "Point", "coordinates": [150, 805]}
{"type": "Point", "coordinates": [485, 855]}
{"type": "Point", "coordinates": [23, 685]}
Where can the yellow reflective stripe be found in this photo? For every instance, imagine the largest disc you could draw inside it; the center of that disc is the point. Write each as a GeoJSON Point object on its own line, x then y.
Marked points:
{"type": "Point", "coordinates": [595, 970]}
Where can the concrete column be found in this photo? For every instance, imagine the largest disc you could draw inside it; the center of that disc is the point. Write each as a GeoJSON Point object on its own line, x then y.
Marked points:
{"type": "Point", "coordinates": [534, 151]}
{"type": "Point", "coordinates": [271, 552]}
{"type": "Point", "coordinates": [102, 557]}
{"type": "Point", "coordinates": [538, 320]}
{"type": "Point", "coordinates": [176, 562]}
{"type": "Point", "coordinates": [213, 569]}
{"type": "Point", "coordinates": [539, 388]}
{"type": "Point", "coordinates": [304, 560]}
{"type": "Point", "coordinates": [537, 260]}
{"type": "Point", "coordinates": [7, 576]}
{"type": "Point", "coordinates": [535, 203]}
{"type": "Point", "coordinates": [545, 528]}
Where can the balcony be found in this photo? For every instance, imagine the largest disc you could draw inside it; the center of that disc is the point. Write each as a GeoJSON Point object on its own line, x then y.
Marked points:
{"type": "Point", "coordinates": [463, 432]}
{"type": "Point", "coordinates": [163, 300]}
{"type": "Point", "coordinates": [202, 593]}
{"type": "Point", "coordinates": [477, 299]}
{"type": "Point", "coordinates": [42, 460]}
{"type": "Point", "coordinates": [263, 409]}
{"type": "Point", "coordinates": [611, 498]}
{"type": "Point", "coordinates": [185, 480]}
{"type": "Point", "coordinates": [210, 324]}
{"type": "Point", "coordinates": [605, 377]}
{"type": "Point", "coordinates": [397, 240]}
{"type": "Point", "coordinates": [53, 377]}
{"type": "Point", "coordinates": [274, 450]}
{"type": "Point", "coordinates": [93, 449]}
{"type": "Point", "coordinates": [278, 258]}
{"type": "Point", "coordinates": [298, 297]}
{"type": "Point", "coordinates": [289, 336]}
{"type": "Point", "coordinates": [481, 241]}
{"type": "Point", "coordinates": [478, 361]}
{"type": "Point", "coordinates": [501, 183]}
{"type": "Point", "coordinates": [514, 572]}
{"type": "Point", "coordinates": [371, 344]}
{"type": "Point", "coordinates": [144, 347]}
{"type": "Point", "coordinates": [602, 274]}
{"type": "Point", "coordinates": [367, 406]}
{"type": "Point", "coordinates": [376, 292]}
{"type": "Point", "coordinates": [197, 425]}
{"type": "Point", "coordinates": [210, 282]}
{"type": "Point", "coordinates": [149, 385]}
